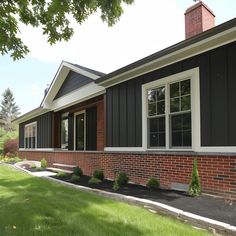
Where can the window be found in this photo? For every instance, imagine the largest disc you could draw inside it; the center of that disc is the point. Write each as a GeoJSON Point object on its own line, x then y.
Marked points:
{"type": "Point", "coordinates": [64, 132]}
{"type": "Point", "coordinates": [169, 115]}
{"type": "Point", "coordinates": [31, 135]}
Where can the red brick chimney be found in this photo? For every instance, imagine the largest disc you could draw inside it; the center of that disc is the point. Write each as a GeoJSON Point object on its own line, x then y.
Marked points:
{"type": "Point", "coordinates": [198, 18]}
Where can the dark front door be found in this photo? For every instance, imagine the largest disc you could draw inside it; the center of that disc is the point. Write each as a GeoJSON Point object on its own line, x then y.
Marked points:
{"type": "Point", "coordinates": [80, 132]}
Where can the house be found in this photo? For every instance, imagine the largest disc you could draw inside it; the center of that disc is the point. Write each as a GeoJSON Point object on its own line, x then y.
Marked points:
{"type": "Point", "coordinates": [149, 118]}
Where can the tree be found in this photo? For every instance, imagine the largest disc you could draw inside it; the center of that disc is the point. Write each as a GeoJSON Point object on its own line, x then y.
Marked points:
{"type": "Point", "coordinates": [194, 187]}
{"type": "Point", "coordinates": [9, 110]}
{"type": "Point", "coordinates": [53, 16]}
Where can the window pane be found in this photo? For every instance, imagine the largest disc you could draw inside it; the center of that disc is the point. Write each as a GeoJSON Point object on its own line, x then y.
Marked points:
{"type": "Point", "coordinates": [174, 105]}
{"type": "Point", "coordinates": [152, 95]}
{"type": "Point", "coordinates": [64, 133]}
{"type": "Point", "coordinates": [187, 121]}
{"type": "Point", "coordinates": [176, 123]}
{"type": "Point", "coordinates": [187, 139]}
{"type": "Point", "coordinates": [174, 90]}
{"type": "Point", "coordinates": [185, 103]}
{"type": "Point", "coordinates": [181, 130]}
{"type": "Point", "coordinates": [162, 140]}
{"type": "Point", "coordinates": [160, 93]}
{"type": "Point", "coordinates": [185, 87]}
{"type": "Point", "coordinates": [161, 124]}
{"type": "Point", "coordinates": [160, 108]}
{"type": "Point", "coordinates": [157, 132]}
{"type": "Point", "coordinates": [153, 139]}
{"type": "Point", "coordinates": [176, 139]}
{"type": "Point", "coordinates": [153, 125]}
{"type": "Point", "coordinates": [152, 110]}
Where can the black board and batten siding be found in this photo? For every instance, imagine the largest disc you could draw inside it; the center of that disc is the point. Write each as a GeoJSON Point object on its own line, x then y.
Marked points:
{"type": "Point", "coordinates": [44, 130]}
{"type": "Point", "coordinates": [72, 82]}
{"type": "Point", "coordinates": [217, 100]}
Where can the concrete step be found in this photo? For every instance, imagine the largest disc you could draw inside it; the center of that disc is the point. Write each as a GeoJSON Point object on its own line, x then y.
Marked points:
{"type": "Point", "coordinates": [63, 165]}
{"type": "Point", "coordinates": [59, 170]}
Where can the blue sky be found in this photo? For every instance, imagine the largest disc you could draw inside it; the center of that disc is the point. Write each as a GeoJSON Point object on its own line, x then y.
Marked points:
{"type": "Point", "coordinates": [145, 27]}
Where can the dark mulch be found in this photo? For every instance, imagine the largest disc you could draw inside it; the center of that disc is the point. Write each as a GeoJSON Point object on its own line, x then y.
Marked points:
{"type": "Point", "coordinates": [207, 206]}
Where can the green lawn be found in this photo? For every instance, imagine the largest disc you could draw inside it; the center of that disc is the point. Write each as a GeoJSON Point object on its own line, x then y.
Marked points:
{"type": "Point", "coordinates": [32, 206]}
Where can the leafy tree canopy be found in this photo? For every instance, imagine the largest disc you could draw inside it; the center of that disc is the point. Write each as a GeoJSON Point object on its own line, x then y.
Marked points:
{"type": "Point", "coordinates": [52, 16]}
{"type": "Point", "coordinates": [9, 109]}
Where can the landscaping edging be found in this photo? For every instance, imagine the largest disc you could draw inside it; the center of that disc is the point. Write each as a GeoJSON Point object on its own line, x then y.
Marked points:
{"type": "Point", "coordinates": [196, 220]}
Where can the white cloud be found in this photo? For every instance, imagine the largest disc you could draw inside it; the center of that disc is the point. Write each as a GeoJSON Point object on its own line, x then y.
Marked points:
{"type": "Point", "coordinates": [144, 28]}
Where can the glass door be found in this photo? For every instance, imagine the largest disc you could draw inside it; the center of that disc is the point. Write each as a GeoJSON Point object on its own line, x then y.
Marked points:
{"type": "Point", "coordinates": [80, 132]}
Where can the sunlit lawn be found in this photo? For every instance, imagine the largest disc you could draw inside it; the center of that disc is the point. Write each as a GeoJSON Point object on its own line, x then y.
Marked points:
{"type": "Point", "coordinates": [32, 206]}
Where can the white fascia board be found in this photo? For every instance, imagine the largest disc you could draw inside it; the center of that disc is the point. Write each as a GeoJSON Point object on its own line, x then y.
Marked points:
{"type": "Point", "coordinates": [202, 46]}
{"type": "Point", "coordinates": [81, 71]}
{"type": "Point", "coordinates": [59, 78]}
{"type": "Point", "coordinates": [84, 93]}
{"type": "Point", "coordinates": [31, 115]}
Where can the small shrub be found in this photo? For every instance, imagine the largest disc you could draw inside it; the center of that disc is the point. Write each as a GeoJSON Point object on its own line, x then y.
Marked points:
{"type": "Point", "coordinates": [62, 175]}
{"type": "Point", "coordinates": [11, 159]}
{"type": "Point", "coordinates": [43, 163]}
{"type": "Point", "coordinates": [122, 179]}
{"type": "Point", "coordinates": [194, 187]}
{"type": "Point", "coordinates": [98, 174]}
{"type": "Point", "coordinates": [77, 171]}
{"type": "Point", "coordinates": [94, 181]}
{"type": "Point", "coordinates": [115, 186]}
{"type": "Point", "coordinates": [153, 183]}
{"type": "Point", "coordinates": [10, 148]}
{"type": "Point", "coordinates": [74, 178]}
{"type": "Point", "coordinates": [33, 166]}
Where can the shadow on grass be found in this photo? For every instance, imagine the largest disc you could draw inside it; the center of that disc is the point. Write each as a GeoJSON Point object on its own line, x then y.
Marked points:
{"type": "Point", "coordinates": [32, 206]}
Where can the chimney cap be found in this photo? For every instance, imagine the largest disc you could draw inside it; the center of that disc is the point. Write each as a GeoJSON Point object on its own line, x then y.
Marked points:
{"type": "Point", "coordinates": [200, 3]}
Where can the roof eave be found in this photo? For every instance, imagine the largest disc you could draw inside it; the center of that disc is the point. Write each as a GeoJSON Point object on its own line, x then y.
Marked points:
{"type": "Point", "coordinates": [205, 41]}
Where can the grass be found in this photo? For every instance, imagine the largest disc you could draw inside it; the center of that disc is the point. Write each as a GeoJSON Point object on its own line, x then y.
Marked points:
{"type": "Point", "coordinates": [33, 206]}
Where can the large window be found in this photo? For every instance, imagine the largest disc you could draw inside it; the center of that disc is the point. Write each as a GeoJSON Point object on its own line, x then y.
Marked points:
{"type": "Point", "coordinates": [64, 132]}
{"type": "Point", "coordinates": [169, 115]}
{"type": "Point", "coordinates": [31, 135]}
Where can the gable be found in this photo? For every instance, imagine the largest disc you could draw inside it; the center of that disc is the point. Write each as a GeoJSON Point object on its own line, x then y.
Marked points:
{"type": "Point", "coordinates": [72, 82]}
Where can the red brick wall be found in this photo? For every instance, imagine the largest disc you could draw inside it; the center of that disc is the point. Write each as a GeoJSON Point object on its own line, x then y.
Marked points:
{"type": "Point", "coordinates": [217, 173]}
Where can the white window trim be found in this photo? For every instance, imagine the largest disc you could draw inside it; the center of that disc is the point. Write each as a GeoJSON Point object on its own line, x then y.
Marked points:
{"type": "Point", "coordinates": [75, 114]}
{"type": "Point", "coordinates": [193, 75]}
{"type": "Point", "coordinates": [36, 132]}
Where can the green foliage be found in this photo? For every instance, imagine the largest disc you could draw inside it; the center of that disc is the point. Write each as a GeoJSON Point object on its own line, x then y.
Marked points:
{"type": "Point", "coordinates": [10, 159]}
{"type": "Point", "coordinates": [40, 207]}
{"type": "Point", "coordinates": [10, 148]}
{"type": "Point", "coordinates": [77, 171]}
{"type": "Point", "coordinates": [94, 181]}
{"type": "Point", "coordinates": [122, 179]}
{"type": "Point", "coordinates": [116, 186]}
{"type": "Point", "coordinates": [75, 178]}
{"type": "Point", "coordinates": [194, 187]}
{"type": "Point", "coordinates": [53, 16]}
{"type": "Point", "coordinates": [62, 175]}
{"type": "Point", "coordinates": [9, 110]}
{"type": "Point", "coordinates": [98, 174]}
{"type": "Point", "coordinates": [44, 163]}
{"type": "Point", "coordinates": [6, 135]}
{"type": "Point", "coordinates": [153, 183]}
{"type": "Point", "coordinates": [33, 166]}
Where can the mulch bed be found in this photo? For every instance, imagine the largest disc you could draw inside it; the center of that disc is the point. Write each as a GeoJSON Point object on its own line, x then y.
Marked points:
{"type": "Point", "coordinates": [207, 206]}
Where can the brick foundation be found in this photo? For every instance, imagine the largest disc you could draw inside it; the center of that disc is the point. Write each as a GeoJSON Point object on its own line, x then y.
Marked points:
{"type": "Point", "coordinates": [217, 173]}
